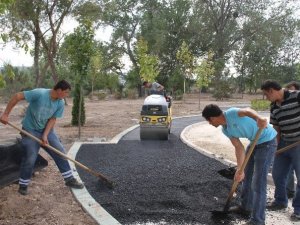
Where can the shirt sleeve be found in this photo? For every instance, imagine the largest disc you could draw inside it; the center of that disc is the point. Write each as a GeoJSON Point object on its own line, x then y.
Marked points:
{"type": "Point", "coordinates": [60, 110]}
{"type": "Point", "coordinates": [32, 95]}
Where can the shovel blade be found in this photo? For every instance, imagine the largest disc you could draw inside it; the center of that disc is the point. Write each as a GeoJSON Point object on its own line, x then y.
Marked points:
{"type": "Point", "coordinates": [228, 172]}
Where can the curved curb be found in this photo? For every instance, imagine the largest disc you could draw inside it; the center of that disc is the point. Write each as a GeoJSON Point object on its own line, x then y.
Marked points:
{"type": "Point", "coordinates": [209, 154]}
{"type": "Point", "coordinates": [88, 203]}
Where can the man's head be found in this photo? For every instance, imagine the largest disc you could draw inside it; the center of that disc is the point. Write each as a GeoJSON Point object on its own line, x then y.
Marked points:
{"type": "Point", "coordinates": [293, 85]}
{"type": "Point", "coordinates": [62, 89]}
{"type": "Point", "coordinates": [272, 90]}
{"type": "Point", "coordinates": [146, 84]}
{"type": "Point", "coordinates": [213, 114]}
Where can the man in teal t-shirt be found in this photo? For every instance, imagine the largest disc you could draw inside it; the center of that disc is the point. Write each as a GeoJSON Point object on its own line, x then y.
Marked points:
{"type": "Point", "coordinates": [45, 106]}
{"type": "Point", "coordinates": [244, 123]}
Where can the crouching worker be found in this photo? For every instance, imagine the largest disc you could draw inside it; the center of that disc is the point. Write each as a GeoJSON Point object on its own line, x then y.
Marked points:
{"type": "Point", "coordinates": [45, 106]}
{"type": "Point", "coordinates": [244, 123]}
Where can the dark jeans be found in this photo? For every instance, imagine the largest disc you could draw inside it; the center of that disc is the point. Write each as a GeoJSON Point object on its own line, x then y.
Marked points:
{"type": "Point", "coordinates": [283, 164]}
{"type": "Point", "coordinates": [254, 190]}
{"type": "Point", "coordinates": [30, 153]}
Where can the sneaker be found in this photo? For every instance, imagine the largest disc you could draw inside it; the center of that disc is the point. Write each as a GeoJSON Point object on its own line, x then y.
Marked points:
{"type": "Point", "coordinates": [295, 217]}
{"type": "Point", "coordinates": [23, 190]}
{"type": "Point", "coordinates": [73, 183]}
{"type": "Point", "coordinates": [290, 194]}
{"type": "Point", "coordinates": [273, 206]}
{"type": "Point", "coordinates": [239, 210]}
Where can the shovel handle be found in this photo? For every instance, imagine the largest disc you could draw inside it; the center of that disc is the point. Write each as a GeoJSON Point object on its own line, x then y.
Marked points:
{"type": "Point", "coordinates": [97, 174]}
{"type": "Point", "coordinates": [247, 157]}
{"type": "Point", "coordinates": [287, 148]}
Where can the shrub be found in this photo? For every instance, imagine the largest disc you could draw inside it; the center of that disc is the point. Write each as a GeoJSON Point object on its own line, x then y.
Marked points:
{"type": "Point", "coordinates": [118, 95]}
{"type": "Point", "coordinates": [75, 108]}
{"type": "Point", "coordinates": [178, 94]}
{"type": "Point", "coordinates": [131, 93]}
{"type": "Point", "coordinates": [260, 104]}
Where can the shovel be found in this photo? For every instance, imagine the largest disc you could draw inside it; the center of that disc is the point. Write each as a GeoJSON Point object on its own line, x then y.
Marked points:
{"type": "Point", "coordinates": [235, 184]}
{"type": "Point", "coordinates": [97, 174]}
{"type": "Point", "coordinates": [230, 171]}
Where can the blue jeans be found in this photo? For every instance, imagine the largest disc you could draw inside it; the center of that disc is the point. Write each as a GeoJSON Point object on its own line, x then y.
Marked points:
{"type": "Point", "coordinates": [283, 163]}
{"type": "Point", "coordinates": [254, 189]}
{"type": "Point", "coordinates": [30, 152]}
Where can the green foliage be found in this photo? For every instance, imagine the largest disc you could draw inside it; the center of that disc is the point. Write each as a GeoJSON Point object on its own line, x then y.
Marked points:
{"type": "Point", "coordinates": [80, 50]}
{"type": "Point", "coordinates": [2, 81]}
{"type": "Point", "coordinates": [178, 95]}
{"type": "Point", "coordinates": [260, 104]}
{"type": "Point", "coordinates": [222, 91]}
{"type": "Point", "coordinates": [186, 59]}
{"type": "Point", "coordinates": [75, 108]}
{"type": "Point", "coordinates": [147, 63]}
{"type": "Point", "coordinates": [4, 4]}
{"type": "Point", "coordinates": [131, 93]}
{"type": "Point", "coordinates": [132, 79]}
{"type": "Point", "coordinates": [205, 71]}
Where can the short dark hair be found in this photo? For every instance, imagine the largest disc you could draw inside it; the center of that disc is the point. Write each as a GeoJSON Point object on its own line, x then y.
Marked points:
{"type": "Point", "coordinates": [145, 82]}
{"type": "Point", "coordinates": [270, 84]}
{"type": "Point", "coordinates": [63, 85]}
{"type": "Point", "coordinates": [211, 110]}
{"type": "Point", "coordinates": [294, 84]}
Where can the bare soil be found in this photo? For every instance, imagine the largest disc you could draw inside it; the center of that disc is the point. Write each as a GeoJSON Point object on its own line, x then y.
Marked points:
{"type": "Point", "coordinates": [49, 200]}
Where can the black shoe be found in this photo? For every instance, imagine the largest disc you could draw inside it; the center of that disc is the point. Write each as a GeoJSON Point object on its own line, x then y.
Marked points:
{"type": "Point", "coordinates": [239, 210]}
{"type": "Point", "coordinates": [290, 194]}
{"type": "Point", "coordinates": [273, 206]}
{"type": "Point", "coordinates": [249, 223]}
{"type": "Point", "coordinates": [295, 217]}
{"type": "Point", "coordinates": [73, 183]}
{"type": "Point", "coordinates": [23, 190]}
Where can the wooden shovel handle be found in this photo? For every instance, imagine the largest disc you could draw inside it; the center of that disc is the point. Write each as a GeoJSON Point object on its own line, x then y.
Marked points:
{"type": "Point", "coordinates": [247, 157]}
{"type": "Point", "coordinates": [97, 174]}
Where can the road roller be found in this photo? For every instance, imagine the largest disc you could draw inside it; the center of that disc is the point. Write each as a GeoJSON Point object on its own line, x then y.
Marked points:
{"type": "Point", "coordinates": [156, 117]}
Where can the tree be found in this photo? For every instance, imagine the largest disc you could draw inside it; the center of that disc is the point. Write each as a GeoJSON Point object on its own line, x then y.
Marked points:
{"type": "Point", "coordinates": [147, 63]}
{"type": "Point", "coordinates": [5, 4]}
{"type": "Point", "coordinates": [39, 22]}
{"type": "Point", "coordinates": [80, 49]}
{"type": "Point", "coordinates": [204, 73]}
{"type": "Point", "coordinates": [185, 57]}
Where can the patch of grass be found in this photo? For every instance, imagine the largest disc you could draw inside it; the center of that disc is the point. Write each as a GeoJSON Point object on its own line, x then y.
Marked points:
{"type": "Point", "coordinates": [260, 104]}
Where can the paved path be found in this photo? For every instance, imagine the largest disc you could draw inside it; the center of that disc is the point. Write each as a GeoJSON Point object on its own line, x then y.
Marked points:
{"type": "Point", "coordinates": [158, 181]}
{"type": "Point", "coordinates": [165, 182]}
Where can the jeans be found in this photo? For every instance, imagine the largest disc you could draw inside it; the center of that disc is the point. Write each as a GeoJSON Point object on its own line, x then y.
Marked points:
{"type": "Point", "coordinates": [30, 152]}
{"type": "Point", "coordinates": [254, 189]}
{"type": "Point", "coordinates": [283, 163]}
{"type": "Point", "coordinates": [290, 187]}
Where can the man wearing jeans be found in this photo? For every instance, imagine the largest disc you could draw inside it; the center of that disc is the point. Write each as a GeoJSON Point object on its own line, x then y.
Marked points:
{"type": "Point", "coordinates": [244, 123]}
{"type": "Point", "coordinates": [285, 117]}
{"type": "Point", "coordinates": [45, 105]}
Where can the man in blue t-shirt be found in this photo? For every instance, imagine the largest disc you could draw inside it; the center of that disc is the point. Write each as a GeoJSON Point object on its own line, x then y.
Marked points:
{"type": "Point", "coordinates": [244, 123]}
{"type": "Point", "coordinates": [45, 106]}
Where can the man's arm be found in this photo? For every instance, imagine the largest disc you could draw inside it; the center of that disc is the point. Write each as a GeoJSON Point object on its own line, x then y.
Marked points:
{"type": "Point", "coordinates": [11, 104]}
{"type": "Point", "coordinates": [277, 128]}
{"type": "Point", "coordinates": [240, 157]}
{"type": "Point", "coordinates": [160, 88]}
{"type": "Point", "coordinates": [261, 122]}
{"type": "Point", "coordinates": [50, 124]}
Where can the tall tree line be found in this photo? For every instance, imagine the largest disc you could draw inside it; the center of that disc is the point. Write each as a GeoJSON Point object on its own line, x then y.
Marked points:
{"type": "Point", "coordinates": [259, 38]}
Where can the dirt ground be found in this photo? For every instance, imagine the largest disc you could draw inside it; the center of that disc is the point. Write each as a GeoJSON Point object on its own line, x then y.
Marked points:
{"type": "Point", "coordinates": [49, 201]}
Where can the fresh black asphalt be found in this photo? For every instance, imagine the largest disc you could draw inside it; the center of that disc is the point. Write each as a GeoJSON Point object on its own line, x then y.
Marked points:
{"type": "Point", "coordinates": [163, 182]}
